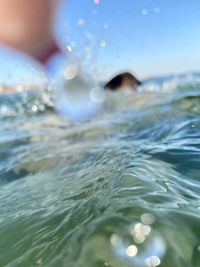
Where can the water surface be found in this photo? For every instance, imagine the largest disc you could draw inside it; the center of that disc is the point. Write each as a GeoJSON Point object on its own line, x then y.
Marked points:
{"type": "Point", "coordinates": [120, 190]}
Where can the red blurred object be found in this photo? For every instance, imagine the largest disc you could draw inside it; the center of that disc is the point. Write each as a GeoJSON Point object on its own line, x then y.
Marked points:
{"type": "Point", "coordinates": [49, 53]}
{"type": "Point", "coordinates": [27, 25]}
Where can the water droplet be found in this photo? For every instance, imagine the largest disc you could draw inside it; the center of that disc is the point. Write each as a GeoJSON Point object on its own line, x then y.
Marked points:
{"type": "Point", "coordinates": [89, 35]}
{"type": "Point", "coordinates": [76, 96]}
{"type": "Point", "coordinates": [40, 261]}
{"type": "Point", "coordinates": [97, 95]}
{"type": "Point", "coordinates": [69, 48]}
{"type": "Point", "coordinates": [140, 232]}
{"type": "Point", "coordinates": [103, 44]}
{"type": "Point", "coordinates": [152, 261]}
{"type": "Point", "coordinates": [156, 9]}
{"type": "Point", "coordinates": [144, 12]}
{"type": "Point", "coordinates": [132, 251]}
{"type": "Point", "coordinates": [80, 22]}
{"type": "Point", "coordinates": [147, 218]}
{"type": "Point", "coordinates": [34, 108]}
{"type": "Point", "coordinates": [71, 72]}
{"type": "Point", "coordinates": [115, 240]}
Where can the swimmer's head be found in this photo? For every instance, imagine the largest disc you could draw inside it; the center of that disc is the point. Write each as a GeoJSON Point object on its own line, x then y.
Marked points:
{"type": "Point", "coordinates": [121, 81]}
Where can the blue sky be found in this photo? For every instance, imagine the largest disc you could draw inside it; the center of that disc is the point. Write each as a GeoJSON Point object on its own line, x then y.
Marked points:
{"type": "Point", "coordinates": [148, 37]}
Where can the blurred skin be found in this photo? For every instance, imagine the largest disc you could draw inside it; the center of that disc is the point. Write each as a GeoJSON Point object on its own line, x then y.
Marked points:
{"type": "Point", "coordinates": [28, 25]}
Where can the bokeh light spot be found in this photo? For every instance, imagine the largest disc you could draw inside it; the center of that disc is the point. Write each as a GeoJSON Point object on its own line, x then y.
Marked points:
{"type": "Point", "coordinates": [97, 2]}
{"type": "Point", "coordinates": [132, 251]}
{"type": "Point", "coordinates": [153, 261]}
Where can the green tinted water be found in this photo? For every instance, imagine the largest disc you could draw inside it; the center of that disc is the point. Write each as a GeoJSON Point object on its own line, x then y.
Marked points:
{"type": "Point", "coordinates": [121, 190]}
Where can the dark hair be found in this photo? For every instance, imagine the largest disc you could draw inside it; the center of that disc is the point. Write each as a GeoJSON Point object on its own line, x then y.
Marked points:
{"type": "Point", "coordinates": [118, 81]}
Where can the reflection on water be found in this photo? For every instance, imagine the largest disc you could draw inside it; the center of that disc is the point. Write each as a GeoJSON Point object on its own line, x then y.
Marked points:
{"type": "Point", "coordinates": [119, 190]}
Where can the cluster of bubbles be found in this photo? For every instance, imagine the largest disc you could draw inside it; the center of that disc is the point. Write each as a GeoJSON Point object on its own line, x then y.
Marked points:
{"type": "Point", "coordinates": [78, 94]}
{"type": "Point", "coordinates": [146, 248]}
{"type": "Point", "coordinates": [145, 11]}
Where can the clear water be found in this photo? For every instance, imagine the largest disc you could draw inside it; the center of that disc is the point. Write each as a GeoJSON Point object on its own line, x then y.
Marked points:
{"type": "Point", "coordinates": [120, 190]}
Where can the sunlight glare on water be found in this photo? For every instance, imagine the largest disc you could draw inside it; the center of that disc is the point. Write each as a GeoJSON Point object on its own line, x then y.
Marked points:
{"type": "Point", "coordinates": [147, 247]}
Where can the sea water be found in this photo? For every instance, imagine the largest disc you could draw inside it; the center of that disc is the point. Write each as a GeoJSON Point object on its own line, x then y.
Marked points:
{"type": "Point", "coordinates": [121, 189]}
